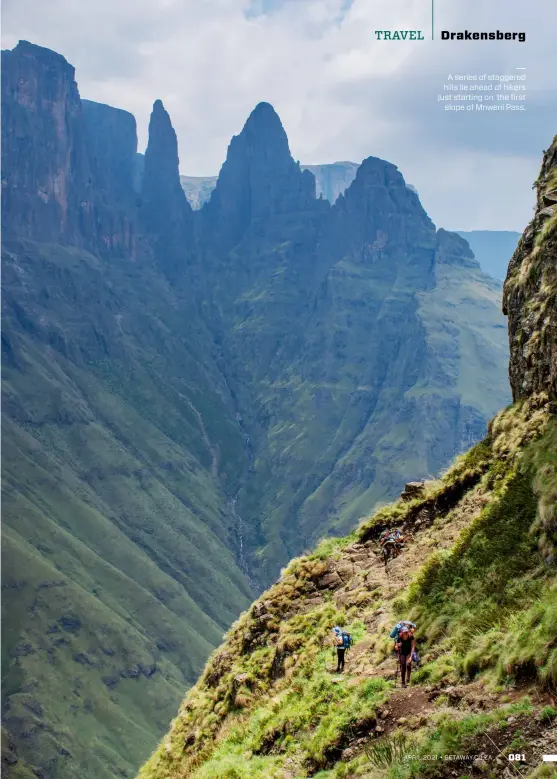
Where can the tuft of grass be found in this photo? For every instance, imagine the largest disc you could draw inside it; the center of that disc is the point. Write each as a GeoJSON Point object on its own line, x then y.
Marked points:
{"type": "Point", "coordinates": [388, 751]}
{"type": "Point", "coordinates": [548, 714]}
{"type": "Point", "coordinates": [541, 460]}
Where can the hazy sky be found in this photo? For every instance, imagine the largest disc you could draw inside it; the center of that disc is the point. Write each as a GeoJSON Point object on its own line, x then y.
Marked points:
{"type": "Point", "coordinates": [341, 94]}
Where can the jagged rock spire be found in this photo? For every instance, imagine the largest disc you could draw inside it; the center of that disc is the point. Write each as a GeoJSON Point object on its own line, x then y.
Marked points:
{"type": "Point", "coordinates": [161, 178]}
{"type": "Point", "coordinates": [161, 156]}
{"type": "Point", "coordinates": [165, 212]}
{"type": "Point", "coordinates": [259, 178]}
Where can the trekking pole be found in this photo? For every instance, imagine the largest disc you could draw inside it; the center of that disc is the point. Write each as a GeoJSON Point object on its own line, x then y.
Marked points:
{"type": "Point", "coordinates": [397, 667]}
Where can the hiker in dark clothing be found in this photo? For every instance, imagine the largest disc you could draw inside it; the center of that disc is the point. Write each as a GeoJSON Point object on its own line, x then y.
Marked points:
{"type": "Point", "coordinates": [405, 647]}
{"type": "Point", "coordinates": [340, 659]}
{"type": "Point", "coordinates": [341, 649]}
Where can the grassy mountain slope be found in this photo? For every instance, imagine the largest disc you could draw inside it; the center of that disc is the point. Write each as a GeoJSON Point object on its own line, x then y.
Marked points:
{"type": "Point", "coordinates": [106, 611]}
{"type": "Point", "coordinates": [472, 577]}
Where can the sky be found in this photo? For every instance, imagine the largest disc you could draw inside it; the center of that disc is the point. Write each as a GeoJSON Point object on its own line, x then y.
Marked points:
{"type": "Point", "coordinates": [341, 94]}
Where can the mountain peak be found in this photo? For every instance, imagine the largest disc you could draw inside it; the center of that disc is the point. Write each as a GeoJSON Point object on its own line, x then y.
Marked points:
{"type": "Point", "coordinates": [374, 168]}
{"type": "Point", "coordinates": [26, 48]}
{"type": "Point", "coordinates": [165, 210]}
{"type": "Point", "coordinates": [163, 144]}
{"type": "Point", "coordinates": [264, 116]}
{"type": "Point", "coordinates": [379, 200]}
{"type": "Point", "coordinates": [263, 109]}
{"type": "Point", "coordinates": [259, 178]}
{"type": "Point", "coordinates": [263, 135]}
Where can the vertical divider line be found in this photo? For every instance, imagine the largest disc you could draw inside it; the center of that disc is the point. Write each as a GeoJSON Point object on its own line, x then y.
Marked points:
{"type": "Point", "coordinates": [432, 17]}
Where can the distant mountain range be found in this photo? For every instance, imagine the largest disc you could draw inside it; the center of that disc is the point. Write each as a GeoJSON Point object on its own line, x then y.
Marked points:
{"type": "Point", "coordinates": [331, 180]}
{"type": "Point", "coordinates": [492, 248]}
{"type": "Point", "coordinates": [193, 397]}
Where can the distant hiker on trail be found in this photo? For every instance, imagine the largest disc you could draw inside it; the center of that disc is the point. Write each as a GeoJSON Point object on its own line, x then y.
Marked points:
{"type": "Point", "coordinates": [392, 543]}
{"type": "Point", "coordinates": [343, 641]}
{"type": "Point", "coordinates": [405, 647]}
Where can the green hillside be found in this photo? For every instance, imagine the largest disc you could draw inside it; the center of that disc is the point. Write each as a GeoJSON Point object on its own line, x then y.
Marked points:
{"type": "Point", "coordinates": [113, 517]}
{"type": "Point", "coordinates": [472, 578]}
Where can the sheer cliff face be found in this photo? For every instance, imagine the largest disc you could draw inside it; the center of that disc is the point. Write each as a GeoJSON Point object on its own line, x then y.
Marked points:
{"type": "Point", "coordinates": [45, 172]}
{"type": "Point", "coordinates": [530, 293]}
{"type": "Point", "coordinates": [111, 145]}
{"type": "Point", "coordinates": [66, 174]}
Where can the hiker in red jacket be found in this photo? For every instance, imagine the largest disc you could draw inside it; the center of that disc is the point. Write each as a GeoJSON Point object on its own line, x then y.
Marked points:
{"type": "Point", "coordinates": [405, 647]}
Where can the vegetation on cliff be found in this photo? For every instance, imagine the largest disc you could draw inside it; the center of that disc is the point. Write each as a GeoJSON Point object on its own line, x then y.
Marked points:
{"type": "Point", "coordinates": [530, 292]}
{"type": "Point", "coordinates": [472, 577]}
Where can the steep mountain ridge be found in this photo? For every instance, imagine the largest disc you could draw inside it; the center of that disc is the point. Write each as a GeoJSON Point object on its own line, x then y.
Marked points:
{"type": "Point", "coordinates": [181, 388]}
{"type": "Point", "coordinates": [477, 575]}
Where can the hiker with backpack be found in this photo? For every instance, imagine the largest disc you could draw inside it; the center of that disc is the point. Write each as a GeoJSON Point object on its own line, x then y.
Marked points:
{"type": "Point", "coordinates": [343, 641]}
{"type": "Point", "coordinates": [404, 623]}
{"type": "Point", "coordinates": [392, 543]}
{"type": "Point", "coordinates": [395, 633]}
{"type": "Point", "coordinates": [406, 647]}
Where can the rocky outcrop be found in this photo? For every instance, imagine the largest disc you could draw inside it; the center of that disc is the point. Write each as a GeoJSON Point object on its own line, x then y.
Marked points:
{"type": "Point", "coordinates": [530, 293]}
{"type": "Point", "coordinates": [166, 215]}
{"type": "Point", "coordinates": [413, 490]}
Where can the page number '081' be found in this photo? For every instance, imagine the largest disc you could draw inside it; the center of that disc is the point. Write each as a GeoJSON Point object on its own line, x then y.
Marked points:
{"type": "Point", "coordinates": [517, 757]}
